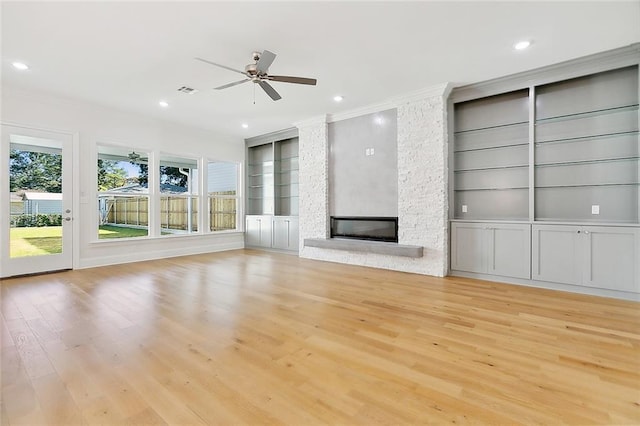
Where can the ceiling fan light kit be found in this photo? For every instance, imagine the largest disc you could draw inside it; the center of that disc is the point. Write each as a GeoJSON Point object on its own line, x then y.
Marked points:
{"type": "Point", "coordinates": [258, 73]}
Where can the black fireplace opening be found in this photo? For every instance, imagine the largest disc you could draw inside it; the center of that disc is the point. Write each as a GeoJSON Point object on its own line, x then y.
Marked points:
{"type": "Point", "coordinates": [365, 228]}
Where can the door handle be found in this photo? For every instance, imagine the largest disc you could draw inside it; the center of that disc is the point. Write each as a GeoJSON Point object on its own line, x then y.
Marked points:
{"type": "Point", "coordinates": [68, 219]}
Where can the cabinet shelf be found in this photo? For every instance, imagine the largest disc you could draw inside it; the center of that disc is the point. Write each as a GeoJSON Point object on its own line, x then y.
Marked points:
{"type": "Point", "coordinates": [586, 114]}
{"type": "Point", "coordinates": [588, 185]}
{"type": "Point", "coordinates": [519, 123]}
{"type": "Point", "coordinates": [273, 177]}
{"type": "Point", "coordinates": [603, 160]}
{"type": "Point", "coordinates": [578, 138]}
{"type": "Point", "coordinates": [517, 166]}
{"type": "Point", "coordinates": [509, 188]}
{"type": "Point", "coordinates": [491, 147]}
{"type": "Point", "coordinates": [540, 144]}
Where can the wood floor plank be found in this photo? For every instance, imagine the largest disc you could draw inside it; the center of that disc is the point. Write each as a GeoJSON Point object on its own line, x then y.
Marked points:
{"type": "Point", "coordinates": [252, 337]}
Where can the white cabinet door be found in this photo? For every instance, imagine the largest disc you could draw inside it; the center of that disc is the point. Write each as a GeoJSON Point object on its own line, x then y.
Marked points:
{"type": "Point", "coordinates": [468, 247]}
{"type": "Point", "coordinates": [557, 254]}
{"type": "Point", "coordinates": [612, 258]}
{"type": "Point", "coordinates": [258, 231]}
{"type": "Point", "coordinates": [509, 250]}
{"type": "Point", "coordinates": [285, 233]}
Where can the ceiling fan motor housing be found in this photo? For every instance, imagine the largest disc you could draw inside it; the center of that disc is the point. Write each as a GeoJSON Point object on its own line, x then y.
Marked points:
{"type": "Point", "coordinates": [251, 69]}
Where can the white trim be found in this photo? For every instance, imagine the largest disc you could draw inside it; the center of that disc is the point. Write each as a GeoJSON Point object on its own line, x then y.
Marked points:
{"type": "Point", "coordinates": [276, 136]}
{"type": "Point", "coordinates": [586, 65]}
{"type": "Point", "coordinates": [358, 112]}
{"type": "Point", "coordinates": [234, 241]}
{"type": "Point", "coordinates": [593, 291]}
{"type": "Point", "coordinates": [438, 90]}
{"type": "Point", "coordinates": [314, 121]}
{"type": "Point", "coordinates": [75, 212]}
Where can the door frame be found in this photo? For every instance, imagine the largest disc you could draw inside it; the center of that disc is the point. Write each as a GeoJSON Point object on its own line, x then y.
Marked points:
{"type": "Point", "coordinates": [73, 192]}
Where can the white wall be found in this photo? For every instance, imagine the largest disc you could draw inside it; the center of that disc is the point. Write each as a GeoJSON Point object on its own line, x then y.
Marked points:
{"type": "Point", "coordinates": [422, 186]}
{"type": "Point", "coordinates": [96, 124]}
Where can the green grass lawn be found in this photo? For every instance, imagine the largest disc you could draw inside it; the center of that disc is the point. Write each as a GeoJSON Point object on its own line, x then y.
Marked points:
{"type": "Point", "coordinates": [35, 241]}
{"type": "Point", "coordinates": [48, 239]}
{"type": "Point", "coordinates": [109, 231]}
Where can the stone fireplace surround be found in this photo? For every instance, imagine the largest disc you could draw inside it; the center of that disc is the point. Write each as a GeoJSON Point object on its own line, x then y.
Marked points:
{"type": "Point", "coordinates": [422, 186]}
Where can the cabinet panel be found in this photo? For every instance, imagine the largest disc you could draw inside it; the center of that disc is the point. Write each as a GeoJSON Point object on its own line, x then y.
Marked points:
{"type": "Point", "coordinates": [285, 233]}
{"type": "Point", "coordinates": [258, 231]}
{"type": "Point", "coordinates": [509, 250]}
{"type": "Point", "coordinates": [612, 258]}
{"type": "Point", "coordinates": [467, 247]}
{"type": "Point", "coordinates": [556, 254]}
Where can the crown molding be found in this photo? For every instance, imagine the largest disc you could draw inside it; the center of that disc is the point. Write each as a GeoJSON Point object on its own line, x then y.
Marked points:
{"type": "Point", "coordinates": [586, 65]}
{"type": "Point", "coordinates": [358, 112]}
{"type": "Point", "coordinates": [278, 135]}
{"type": "Point", "coordinates": [438, 90]}
{"type": "Point", "coordinates": [313, 121]}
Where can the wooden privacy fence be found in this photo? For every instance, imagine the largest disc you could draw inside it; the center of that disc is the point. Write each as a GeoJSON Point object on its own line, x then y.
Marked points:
{"type": "Point", "coordinates": [174, 212]}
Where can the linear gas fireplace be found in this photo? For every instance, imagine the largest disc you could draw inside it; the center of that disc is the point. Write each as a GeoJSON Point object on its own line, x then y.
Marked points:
{"type": "Point", "coordinates": [365, 228]}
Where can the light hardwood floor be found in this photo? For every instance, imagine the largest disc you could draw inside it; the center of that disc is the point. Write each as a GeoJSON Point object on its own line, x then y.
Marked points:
{"type": "Point", "coordinates": [249, 337]}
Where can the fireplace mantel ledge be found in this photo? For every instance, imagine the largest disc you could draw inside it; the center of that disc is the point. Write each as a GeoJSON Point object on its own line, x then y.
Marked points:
{"type": "Point", "coordinates": [392, 249]}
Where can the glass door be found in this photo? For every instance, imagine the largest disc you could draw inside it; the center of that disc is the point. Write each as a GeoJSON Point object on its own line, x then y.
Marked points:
{"type": "Point", "coordinates": [36, 208]}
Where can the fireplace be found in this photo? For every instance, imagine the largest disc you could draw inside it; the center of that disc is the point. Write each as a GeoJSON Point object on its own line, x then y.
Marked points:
{"type": "Point", "coordinates": [365, 228]}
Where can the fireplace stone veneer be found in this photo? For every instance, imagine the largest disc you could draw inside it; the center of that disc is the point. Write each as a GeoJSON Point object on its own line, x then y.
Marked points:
{"type": "Point", "coordinates": [422, 187]}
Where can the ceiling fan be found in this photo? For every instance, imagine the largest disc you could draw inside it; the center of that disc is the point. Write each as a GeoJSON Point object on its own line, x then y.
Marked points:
{"type": "Point", "coordinates": [258, 73]}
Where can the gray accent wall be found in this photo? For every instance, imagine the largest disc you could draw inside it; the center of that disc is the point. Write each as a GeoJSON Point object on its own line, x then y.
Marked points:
{"type": "Point", "coordinates": [363, 182]}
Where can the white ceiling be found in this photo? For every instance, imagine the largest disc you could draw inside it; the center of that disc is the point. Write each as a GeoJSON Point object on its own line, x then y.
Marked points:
{"type": "Point", "coordinates": [130, 55]}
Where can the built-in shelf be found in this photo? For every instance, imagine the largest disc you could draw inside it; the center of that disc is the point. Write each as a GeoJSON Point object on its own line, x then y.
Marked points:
{"type": "Point", "coordinates": [377, 247]}
{"type": "Point", "coordinates": [586, 114]}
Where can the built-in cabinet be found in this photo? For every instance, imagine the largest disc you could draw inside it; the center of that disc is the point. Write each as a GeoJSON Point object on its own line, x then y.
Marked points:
{"type": "Point", "coordinates": [272, 191]}
{"type": "Point", "coordinates": [545, 179]}
{"type": "Point", "coordinates": [595, 256]}
{"type": "Point", "coordinates": [491, 248]}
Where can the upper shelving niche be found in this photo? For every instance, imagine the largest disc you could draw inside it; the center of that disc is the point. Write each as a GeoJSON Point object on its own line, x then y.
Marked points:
{"type": "Point", "coordinates": [587, 148]}
{"type": "Point", "coordinates": [491, 157]}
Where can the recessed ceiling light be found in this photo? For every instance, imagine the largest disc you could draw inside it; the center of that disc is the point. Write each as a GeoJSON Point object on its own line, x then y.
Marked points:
{"type": "Point", "coordinates": [338, 98]}
{"type": "Point", "coordinates": [245, 126]}
{"type": "Point", "coordinates": [521, 45]}
{"type": "Point", "coordinates": [163, 104]}
{"type": "Point", "coordinates": [20, 66]}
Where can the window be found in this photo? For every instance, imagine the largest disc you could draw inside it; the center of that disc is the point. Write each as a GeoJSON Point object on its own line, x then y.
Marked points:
{"type": "Point", "coordinates": [222, 193]}
{"type": "Point", "coordinates": [123, 193]}
{"type": "Point", "coordinates": [178, 194]}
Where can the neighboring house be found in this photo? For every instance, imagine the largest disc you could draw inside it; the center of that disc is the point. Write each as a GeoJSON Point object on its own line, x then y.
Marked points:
{"type": "Point", "coordinates": [17, 204]}
{"type": "Point", "coordinates": [36, 203]}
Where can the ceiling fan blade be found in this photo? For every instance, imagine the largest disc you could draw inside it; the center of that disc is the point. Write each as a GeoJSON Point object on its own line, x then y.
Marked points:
{"type": "Point", "coordinates": [235, 83]}
{"type": "Point", "coordinates": [270, 90]}
{"type": "Point", "coordinates": [219, 65]}
{"type": "Point", "coordinates": [265, 61]}
{"type": "Point", "coordinates": [297, 80]}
